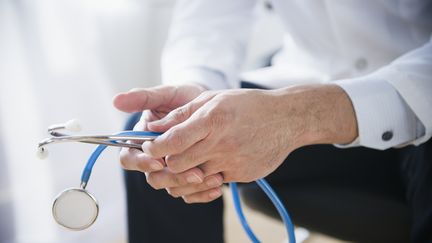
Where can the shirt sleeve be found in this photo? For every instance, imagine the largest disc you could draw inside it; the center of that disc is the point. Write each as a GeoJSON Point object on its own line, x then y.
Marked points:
{"type": "Point", "coordinates": [393, 105]}
{"type": "Point", "coordinates": [207, 42]}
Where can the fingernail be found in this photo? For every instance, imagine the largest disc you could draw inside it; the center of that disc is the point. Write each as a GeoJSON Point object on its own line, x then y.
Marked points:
{"type": "Point", "coordinates": [156, 166]}
{"type": "Point", "coordinates": [215, 194]}
{"type": "Point", "coordinates": [193, 178]}
{"type": "Point", "coordinates": [212, 182]}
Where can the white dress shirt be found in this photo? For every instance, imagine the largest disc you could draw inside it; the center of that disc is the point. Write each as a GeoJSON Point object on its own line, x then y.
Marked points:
{"type": "Point", "coordinates": [379, 52]}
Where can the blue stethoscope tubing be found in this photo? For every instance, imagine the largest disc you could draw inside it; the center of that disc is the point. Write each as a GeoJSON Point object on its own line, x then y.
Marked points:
{"type": "Point", "coordinates": [85, 177]}
{"type": "Point", "coordinates": [271, 194]}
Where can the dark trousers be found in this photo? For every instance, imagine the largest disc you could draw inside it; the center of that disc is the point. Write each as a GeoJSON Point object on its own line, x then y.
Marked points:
{"type": "Point", "coordinates": [355, 194]}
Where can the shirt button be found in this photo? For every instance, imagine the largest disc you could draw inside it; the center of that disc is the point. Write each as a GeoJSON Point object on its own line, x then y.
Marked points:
{"type": "Point", "coordinates": [361, 64]}
{"type": "Point", "coordinates": [387, 135]}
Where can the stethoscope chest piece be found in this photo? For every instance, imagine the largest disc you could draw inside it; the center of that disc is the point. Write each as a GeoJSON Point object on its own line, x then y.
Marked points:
{"type": "Point", "coordinates": [75, 209]}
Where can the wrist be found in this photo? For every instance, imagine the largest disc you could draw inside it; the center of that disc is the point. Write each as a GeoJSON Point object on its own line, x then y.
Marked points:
{"type": "Point", "coordinates": [324, 114]}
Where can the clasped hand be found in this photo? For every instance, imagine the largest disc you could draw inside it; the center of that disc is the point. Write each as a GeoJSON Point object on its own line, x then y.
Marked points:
{"type": "Point", "coordinates": [211, 137]}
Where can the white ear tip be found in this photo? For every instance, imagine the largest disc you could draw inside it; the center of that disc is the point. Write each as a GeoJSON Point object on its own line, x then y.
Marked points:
{"type": "Point", "coordinates": [42, 153]}
{"type": "Point", "coordinates": [73, 125]}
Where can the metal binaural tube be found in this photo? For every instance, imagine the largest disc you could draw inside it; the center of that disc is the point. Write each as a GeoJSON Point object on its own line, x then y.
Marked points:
{"type": "Point", "coordinates": [97, 139]}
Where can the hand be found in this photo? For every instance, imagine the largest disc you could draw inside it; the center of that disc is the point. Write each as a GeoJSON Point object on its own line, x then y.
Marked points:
{"type": "Point", "coordinates": [237, 132]}
{"type": "Point", "coordinates": [246, 134]}
{"type": "Point", "coordinates": [156, 103]}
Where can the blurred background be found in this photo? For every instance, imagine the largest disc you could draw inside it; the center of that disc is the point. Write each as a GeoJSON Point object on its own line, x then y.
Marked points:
{"type": "Point", "coordinates": [63, 59]}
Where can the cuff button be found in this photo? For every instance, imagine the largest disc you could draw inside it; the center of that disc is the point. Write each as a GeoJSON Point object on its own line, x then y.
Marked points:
{"type": "Point", "coordinates": [387, 135]}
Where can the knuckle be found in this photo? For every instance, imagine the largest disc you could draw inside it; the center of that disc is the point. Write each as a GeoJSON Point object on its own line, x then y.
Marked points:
{"type": "Point", "coordinates": [173, 192]}
{"type": "Point", "coordinates": [124, 164]}
{"type": "Point", "coordinates": [181, 113]}
{"type": "Point", "coordinates": [209, 168]}
{"type": "Point", "coordinates": [174, 195]}
{"type": "Point", "coordinates": [228, 177]}
{"type": "Point", "coordinates": [170, 161]}
{"type": "Point", "coordinates": [235, 176]}
{"type": "Point", "coordinates": [176, 140]}
{"type": "Point", "coordinates": [153, 181]}
{"type": "Point", "coordinates": [149, 148]}
{"type": "Point", "coordinates": [124, 160]}
{"type": "Point", "coordinates": [202, 197]}
{"type": "Point", "coordinates": [205, 93]}
{"type": "Point", "coordinates": [187, 199]}
{"type": "Point", "coordinates": [208, 199]}
{"type": "Point", "coordinates": [143, 167]}
{"type": "Point", "coordinates": [177, 162]}
{"type": "Point", "coordinates": [219, 117]}
{"type": "Point", "coordinates": [173, 164]}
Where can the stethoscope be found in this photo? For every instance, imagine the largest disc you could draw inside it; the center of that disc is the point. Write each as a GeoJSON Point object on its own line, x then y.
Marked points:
{"type": "Point", "coordinates": [77, 209]}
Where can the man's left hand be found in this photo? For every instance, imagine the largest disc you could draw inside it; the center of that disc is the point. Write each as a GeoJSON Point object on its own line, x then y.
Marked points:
{"type": "Point", "coordinates": [245, 135]}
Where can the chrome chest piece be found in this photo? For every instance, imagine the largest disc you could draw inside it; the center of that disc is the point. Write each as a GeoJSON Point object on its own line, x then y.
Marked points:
{"type": "Point", "coordinates": [75, 209]}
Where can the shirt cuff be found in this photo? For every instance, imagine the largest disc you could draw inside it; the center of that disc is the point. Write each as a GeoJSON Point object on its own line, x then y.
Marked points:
{"type": "Point", "coordinates": [207, 78]}
{"type": "Point", "coordinates": [384, 120]}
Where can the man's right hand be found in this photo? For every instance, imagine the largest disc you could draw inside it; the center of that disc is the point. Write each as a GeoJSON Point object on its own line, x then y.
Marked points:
{"type": "Point", "coordinates": [156, 103]}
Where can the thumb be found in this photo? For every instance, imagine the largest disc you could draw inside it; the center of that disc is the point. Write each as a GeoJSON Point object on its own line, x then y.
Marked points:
{"type": "Point", "coordinates": [137, 100]}
{"type": "Point", "coordinates": [180, 114]}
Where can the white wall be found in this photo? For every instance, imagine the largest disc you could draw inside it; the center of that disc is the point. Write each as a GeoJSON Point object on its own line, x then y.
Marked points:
{"type": "Point", "coordinates": [55, 65]}
{"type": "Point", "coordinates": [64, 59]}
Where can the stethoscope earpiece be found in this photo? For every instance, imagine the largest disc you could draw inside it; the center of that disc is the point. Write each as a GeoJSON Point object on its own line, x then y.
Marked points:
{"type": "Point", "coordinates": [77, 209]}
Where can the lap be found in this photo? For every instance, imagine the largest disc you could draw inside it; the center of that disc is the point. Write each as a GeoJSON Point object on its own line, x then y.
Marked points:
{"type": "Point", "coordinates": [374, 170]}
{"type": "Point", "coordinates": [350, 193]}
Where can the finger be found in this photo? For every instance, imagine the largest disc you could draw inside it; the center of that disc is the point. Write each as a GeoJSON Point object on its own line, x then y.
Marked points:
{"type": "Point", "coordinates": [194, 156]}
{"type": "Point", "coordinates": [133, 159]}
{"type": "Point", "coordinates": [209, 183]}
{"type": "Point", "coordinates": [165, 178]}
{"type": "Point", "coordinates": [212, 167]}
{"type": "Point", "coordinates": [178, 138]}
{"type": "Point", "coordinates": [142, 99]}
{"type": "Point", "coordinates": [203, 197]}
{"type": "Point", "coordinates": [139, 126]}
{"type": "Point", "coordinates": [152, 115]}
{"type": "Point", "coordinates": [180, 114]}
